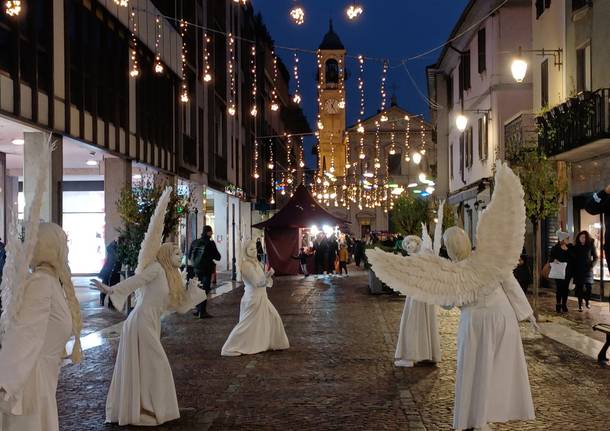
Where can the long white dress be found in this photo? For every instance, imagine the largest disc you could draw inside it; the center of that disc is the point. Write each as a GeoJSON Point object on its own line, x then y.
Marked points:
{"type": "Point", "coordinates": [31, 355]}
{"type": "Point", "coordinates": [418, 338]}
{"type": "Point", "coordinates": [142, 390]}
{"type": "Point", "coordinates": [260, 326]}
{"type": "Point", "coordinates": [492, 384]}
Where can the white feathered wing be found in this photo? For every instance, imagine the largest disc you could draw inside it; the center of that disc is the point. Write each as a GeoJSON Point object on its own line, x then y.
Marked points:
{"type": "Point", "coordinates": [500, 234]}
{"type": "Point", "coordinates": [426, 243]}
{"type": "Point", "coordinates": [154, 234]}
{"type": "Point", "coordinates": [19, 253]}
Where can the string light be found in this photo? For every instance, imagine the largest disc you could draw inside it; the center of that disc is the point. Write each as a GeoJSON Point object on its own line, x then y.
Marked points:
{"type": "Point", "coordinates": [319, 122]}
{"type": "Point", "coordinates": [384, 75]}
{"type": "Point", "coordinates": [407, 137]}
{"type": "Point", "coordinates": [184, 95]}
{"type": "Point", "coordinates": [231, 66]}
{"type": "Point", "coordinates": [122, 3]}
{"type": "Point", "coordinates": [207, 74]}
{"type": "Point", "coordinates": [256, 174]}
{"type": "Point", "coordinates": [158, 67]}
{"type": "Point", "coordinates": [297, 14]}
{"type": "Point", "coordinates": [274, 104]}
{"type": "Point", "coordinates": [253, 109]}
{"type": "Point", "coordinates": [354, 11]}
{"type": "Point", "coordinates": [135, 70]}
{"type": "Point", "coordinates": [360, 128]}
{"type": "Point", "coordinates": [392, 140]}
{"type": "Point", "coordinates": [13, 7]}
{"type": "Point", "coordinates": [271, 166]}
{"type": "Point", "coordinates": [297, 91]}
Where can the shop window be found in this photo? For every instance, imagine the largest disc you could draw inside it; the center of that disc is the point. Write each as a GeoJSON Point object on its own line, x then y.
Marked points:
{"type": "Point", "coordinates": [469, 146]}
{"type": "Point", "coordinates": [593, 225]}
{"type": "Point", "coordinates": [450, 91]}
{"type": "Point", "coordinates": [483, 138]}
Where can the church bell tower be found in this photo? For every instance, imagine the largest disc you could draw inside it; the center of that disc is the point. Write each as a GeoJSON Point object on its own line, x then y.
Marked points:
{"type": "Point", "coordinates": [332, 103]}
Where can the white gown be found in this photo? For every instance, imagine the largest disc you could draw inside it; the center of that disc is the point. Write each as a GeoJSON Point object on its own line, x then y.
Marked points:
{"type": "Point", "coordinates": [492, 384]}
{"type": "Point", "coordinates": [142, 390]}
{"type": "Point", "coordinates": [31, 357]}
{"type": "Point", "coordinates": [260, 326]}
{"type": "Point", "coordinates": [418, 338]}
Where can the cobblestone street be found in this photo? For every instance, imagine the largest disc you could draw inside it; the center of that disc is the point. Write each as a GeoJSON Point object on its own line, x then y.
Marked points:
{"type": "Point", "coordinates": [337, 375]}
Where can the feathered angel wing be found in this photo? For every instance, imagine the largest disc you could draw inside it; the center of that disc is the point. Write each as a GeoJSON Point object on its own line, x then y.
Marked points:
{"type": "Point", "coordinates": [425, 237]}
{"type": "Point", "coordinates": [154, 234]}
{"type": "Point", "coordinates": [19, 252]}
{"type": "Point", "coordinates": [435, 280]}
{"type": "Point", "coordinates": [438, 229]}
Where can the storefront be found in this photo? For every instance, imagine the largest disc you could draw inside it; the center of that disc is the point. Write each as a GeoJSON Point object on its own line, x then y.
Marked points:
{"type": "Point", "coordinates": [586, 178]}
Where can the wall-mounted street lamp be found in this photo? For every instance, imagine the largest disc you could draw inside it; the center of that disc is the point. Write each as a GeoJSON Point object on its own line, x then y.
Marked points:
{"type": "Point", "coordinates": [518, 66]}
{"type": "Point", "coordinates": [461, 120]}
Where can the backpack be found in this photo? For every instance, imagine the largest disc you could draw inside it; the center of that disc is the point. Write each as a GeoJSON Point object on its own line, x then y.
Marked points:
{"type": "Point", "coordinates": [197, 253]}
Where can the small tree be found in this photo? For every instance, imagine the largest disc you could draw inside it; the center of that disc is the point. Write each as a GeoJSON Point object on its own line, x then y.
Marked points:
{"type": "Point", "coordinates": [136, 205]}
{"type": "Point", "coordinates": [408, 214]}
{"type": "Point", "coordinates": [542, 199]}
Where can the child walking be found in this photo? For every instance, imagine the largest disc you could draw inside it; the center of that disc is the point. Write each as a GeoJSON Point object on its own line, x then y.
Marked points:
{"type": "Point", "coordinates": [343, 258]}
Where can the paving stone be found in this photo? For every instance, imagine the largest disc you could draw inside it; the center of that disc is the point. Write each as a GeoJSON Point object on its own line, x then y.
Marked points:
{"type": "Point", "coordinates": [337, 375]}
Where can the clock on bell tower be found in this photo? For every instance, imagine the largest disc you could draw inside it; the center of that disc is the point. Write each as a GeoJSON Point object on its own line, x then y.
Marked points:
{"type": "Point", "coordinates": [331, 94]}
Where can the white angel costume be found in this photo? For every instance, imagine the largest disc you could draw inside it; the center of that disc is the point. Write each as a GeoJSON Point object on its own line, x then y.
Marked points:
{"type": "Point", "coordinates": [491, 383]}
{"type": "Point", "coordinates": [260, 326]}
{"type": "Point", "coordinates": [41, 312]}
{"type": "Point", "coordinates": [418, 338]}
{"type": "Point", "coordinates": [142, 390]}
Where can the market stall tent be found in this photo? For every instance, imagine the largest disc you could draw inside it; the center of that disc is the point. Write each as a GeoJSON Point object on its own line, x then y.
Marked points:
{"type": "Point", "coordinates": [283, 230]}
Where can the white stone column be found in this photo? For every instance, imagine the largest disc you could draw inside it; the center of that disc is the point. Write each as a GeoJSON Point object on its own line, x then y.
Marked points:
{"type": "Point", "coordinates": [3, 208]}
{"type": "Point", "coordinates": [52, 199]}
{"type": "Point", "coordinates": [117, 176]}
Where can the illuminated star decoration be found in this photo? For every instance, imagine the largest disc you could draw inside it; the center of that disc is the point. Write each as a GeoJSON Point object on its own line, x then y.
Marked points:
{"type": "Point", "coordinates": [354, 11]}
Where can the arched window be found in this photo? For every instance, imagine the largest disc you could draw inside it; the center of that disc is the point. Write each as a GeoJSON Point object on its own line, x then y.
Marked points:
{"type": "Point", "coordinates": [332, 72]}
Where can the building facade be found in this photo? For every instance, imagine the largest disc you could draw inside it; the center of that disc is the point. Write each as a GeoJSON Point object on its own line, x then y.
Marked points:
{"type": "Point", "coordinates": [85, 73]}
{"type": "Point", "coordinates": [472, 80]}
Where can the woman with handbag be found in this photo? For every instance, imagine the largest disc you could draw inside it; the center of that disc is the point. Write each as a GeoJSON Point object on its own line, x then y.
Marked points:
{"type": "Point", "coordinates": [585, 257]}
{"type": "Point", "coordinates": [562, 253]}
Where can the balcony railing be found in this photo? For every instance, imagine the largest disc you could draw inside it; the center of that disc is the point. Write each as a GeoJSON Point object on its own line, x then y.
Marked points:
{"type": "Point", "coordinates": [579, 121]}
{"type": "Point", "coordinates": [520, 133]}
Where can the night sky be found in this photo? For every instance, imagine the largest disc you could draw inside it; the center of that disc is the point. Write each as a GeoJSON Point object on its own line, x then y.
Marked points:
{"type": "Point", "coordinates": [392, 29]}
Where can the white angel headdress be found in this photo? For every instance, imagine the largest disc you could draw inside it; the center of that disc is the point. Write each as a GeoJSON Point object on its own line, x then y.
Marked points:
{"type": "Point", "coordinates": [435, 280]}
{"type": "Point", "coordinates": [427, 244]}
{"type": "Point", "coordinates": [19, 251]}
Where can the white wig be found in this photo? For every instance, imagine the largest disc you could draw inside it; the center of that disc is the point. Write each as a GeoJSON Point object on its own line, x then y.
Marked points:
{"type": "Point", "coordinates": [458, 244]}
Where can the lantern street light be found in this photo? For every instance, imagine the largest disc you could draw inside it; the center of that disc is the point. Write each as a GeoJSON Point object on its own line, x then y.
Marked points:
{"type": "Point", "coordinates": [518, 66]}
{"type": "Point", "coordinates": [461, 121]}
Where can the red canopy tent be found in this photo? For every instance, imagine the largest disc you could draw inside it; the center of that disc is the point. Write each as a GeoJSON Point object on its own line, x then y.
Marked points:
{"type": "Point", "coordinates": [282, 231]}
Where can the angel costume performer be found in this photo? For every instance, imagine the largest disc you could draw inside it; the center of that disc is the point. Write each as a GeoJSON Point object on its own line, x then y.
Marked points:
{"type": "Point", "coordinates": [491, 383]}
{"type": "Point", "coordinates": [41, 312]}
{"type": "Point", "coordinates": [142, 390]}
{"type": "Point", "coordinates": [418, 338]}
{"type": "Point", "coordinates": [260, 326]}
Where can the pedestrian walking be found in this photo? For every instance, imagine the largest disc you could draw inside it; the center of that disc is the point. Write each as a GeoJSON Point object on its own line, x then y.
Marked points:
{"type": "Point", "coordinates": [203, 253]}
{"type": "Point", "coordinates": [585, 257]}
{"type": "Point", "coordinates": [358, 251]}
{"type": "Point", "coordinates": [260, 253]}
{"type": "Point", "coordinates": [562, 253]}
{"type": "Point", "coordinates": [320, 252]}
{"type": "Point", "coordinates": [343, 258]}
{"type": "Point", "coordinates": [110, 274]}
{"type": "Point", "coordinates": [332, 251]}
{"type": "Point", "coordinates": [600, 204]}
{"type": "Point", "coordinates": [302, 258]}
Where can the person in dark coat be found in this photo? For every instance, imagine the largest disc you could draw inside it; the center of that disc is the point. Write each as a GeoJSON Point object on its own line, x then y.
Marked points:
{"type": "Point", "coordinates": [320, 252]}
{"type": "Point", "coordinates": [562, 252]}
{"type": "Point", "coordinates": [333, 250]}
{"type": "Point", "coordinates": [203, 253]}
{"type": "Point", "coordinates": [260, 253]}
{"type": "Point", "coordinates": [523, 274]}
{"type": "Point", "coordinates": [302, 258]}
{"type": "Point", "coordinates": [600, 204]}
{"type": "Point", "coordinates": [110, 274]}
{"type": "Point", "coordinates": [358, 251]}
{"type": "Point", "coordinates": [584, 259]}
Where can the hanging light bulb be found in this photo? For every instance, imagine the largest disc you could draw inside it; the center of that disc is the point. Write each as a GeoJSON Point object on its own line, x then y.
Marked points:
{"type": "Point", "coordinates": [354, 11]}
{"type": "Point", "coordinates": [361, 156]}
{"type": "Point", "coordinates": [297, 98]}
{"type": "Point", "coordinates": [461, 121]}
{"type": "Point", "coordinates": [416, 158]}
{"type": "Point", "coordinates": [297, 13]}
{"type": "Point", "coordinates": [270, 165]}
{"type": "Point", "coordinates": [392, 151]}
{"type": "Point", "coordinates": [407, 158]}
{"type": "Point", "coordinates": [320, 125]}
{"type": "Point", "coordinates": [254, 111]}
{"type": "Point", "coordinates": [256, 175]}
{"type": "Point", "coordinates": [360, 128]}
{"type": "Point", "coordinates": [383, 118]}
{"type": "Point", "coordinates": [301, 164]}
{"type": "Point", "coordinates": [275, 107]}
{"type": "Point", "coordinates": [122, 3]}
{"type": "Point", "coordinates": [422, 177]}
{"type": "Point", "coordinates": [377, 164]}
{"type": "Point", "coordinates": [342, 104]}
{"type": "Point", "coordinates": [231, 110]}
